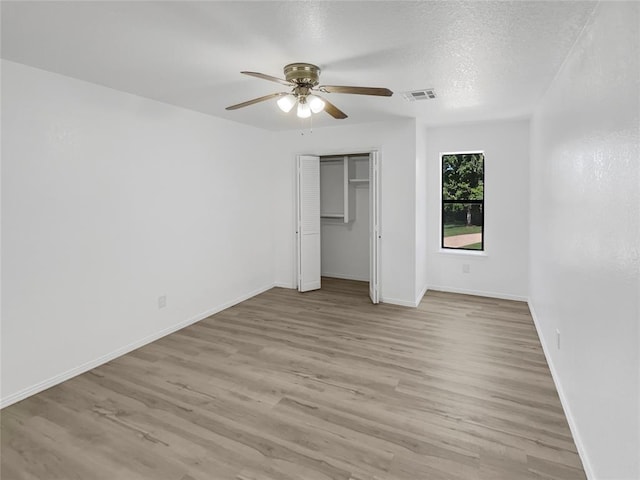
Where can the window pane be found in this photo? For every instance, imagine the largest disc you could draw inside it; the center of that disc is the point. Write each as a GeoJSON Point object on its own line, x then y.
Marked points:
{"type": "Point", "coordinates": [463, 176]}
{"type": "Point", "coordinates": [463, 201]}
{"type": "Point", "coordinates": [462, 226]}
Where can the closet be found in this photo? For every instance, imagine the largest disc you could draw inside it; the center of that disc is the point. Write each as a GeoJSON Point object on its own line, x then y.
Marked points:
{"type": "Point", "coordinates": [337, 221]}
{"type": "Point", "coordinates": [344, 217]}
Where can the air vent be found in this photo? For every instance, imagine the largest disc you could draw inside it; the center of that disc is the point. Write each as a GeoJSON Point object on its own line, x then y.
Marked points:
{"type": "Point", "coordinates": [426, 94]}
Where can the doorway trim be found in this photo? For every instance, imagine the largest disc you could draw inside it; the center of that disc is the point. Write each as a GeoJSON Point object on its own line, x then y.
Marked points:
{"type": "Point", "coordinates": [340, 152]}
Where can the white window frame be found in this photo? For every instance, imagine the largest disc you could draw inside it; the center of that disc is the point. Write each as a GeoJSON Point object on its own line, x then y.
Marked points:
{"type": "Point", "coordinates": [453, 251]}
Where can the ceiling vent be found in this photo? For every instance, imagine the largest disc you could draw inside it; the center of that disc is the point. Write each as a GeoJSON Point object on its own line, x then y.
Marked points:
{"type": "Point", "coordinates": [426, 94]}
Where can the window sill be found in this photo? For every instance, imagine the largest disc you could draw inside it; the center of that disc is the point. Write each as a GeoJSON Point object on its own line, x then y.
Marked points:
{"type": "Point", "coordinates": [467, 253]}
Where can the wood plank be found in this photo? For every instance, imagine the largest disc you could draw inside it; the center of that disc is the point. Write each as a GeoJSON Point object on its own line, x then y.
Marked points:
{"type": "Point", "coordinates": [319, 386]}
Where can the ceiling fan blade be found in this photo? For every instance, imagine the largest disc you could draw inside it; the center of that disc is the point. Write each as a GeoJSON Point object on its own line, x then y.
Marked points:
{"type": "Point", "coordinates": [268, 77]}
{"type": "Point", "coordinates": [381, 92]}
{"type": "Point", "coordinates": [256, 100]}
{"type": "Point", "coordinates": [332, 110]}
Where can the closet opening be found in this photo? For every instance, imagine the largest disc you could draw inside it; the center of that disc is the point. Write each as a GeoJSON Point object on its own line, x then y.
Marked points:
{"type": "Point", "coordinates": [338, 227]}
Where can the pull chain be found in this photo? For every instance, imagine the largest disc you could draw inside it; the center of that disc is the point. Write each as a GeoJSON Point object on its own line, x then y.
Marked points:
{"type": "Point", "coordinates": [310, 126]}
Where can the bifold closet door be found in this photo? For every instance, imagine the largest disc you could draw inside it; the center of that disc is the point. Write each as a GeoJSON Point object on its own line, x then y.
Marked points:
{"type": "Point", "coordinates": [374, 227]}
{"type": "Point", "coordinates": [308, 228]}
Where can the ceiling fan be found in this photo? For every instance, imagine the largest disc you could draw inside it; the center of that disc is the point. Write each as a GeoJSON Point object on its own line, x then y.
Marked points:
{"type": "Point", "coordinates": [303, 78]}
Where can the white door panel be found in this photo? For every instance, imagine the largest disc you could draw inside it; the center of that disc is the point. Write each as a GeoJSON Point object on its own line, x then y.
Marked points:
{"type": "Point", "coordinates": [374, 227]}
{"type": "Point", "coordinates": [308, 223]}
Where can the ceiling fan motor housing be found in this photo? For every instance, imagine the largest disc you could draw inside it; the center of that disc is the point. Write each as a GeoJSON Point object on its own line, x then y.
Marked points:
{"type": "Point", "coordinates": [302, 74]}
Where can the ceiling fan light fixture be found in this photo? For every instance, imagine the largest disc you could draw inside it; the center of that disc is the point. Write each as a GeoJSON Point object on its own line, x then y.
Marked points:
{"type": "Point", "coordinates": [316, 103]}
{"type": "Point", "coordinates": [303, 79]}
{"type": "Point", "coordinates": [287, 103]}
{"type": "Point", "coordinates": [304, 111]}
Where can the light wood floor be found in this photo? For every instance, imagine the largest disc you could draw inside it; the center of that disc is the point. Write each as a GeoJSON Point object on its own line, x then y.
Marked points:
{"type": "Point", "coordinates": [314, 386]}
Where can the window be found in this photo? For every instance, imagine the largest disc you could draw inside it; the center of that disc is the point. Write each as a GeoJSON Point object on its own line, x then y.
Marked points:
{"type": "Point", "coordinates": [463, 201]}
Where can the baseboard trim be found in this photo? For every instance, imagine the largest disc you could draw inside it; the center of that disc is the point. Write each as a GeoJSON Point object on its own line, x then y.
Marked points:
{"type": "Point", "coordinates": [479, 293]}
{"type": "Point", "coordinates": [399, 301]}
{"type": "Point", "coordinates": [284, 285]}
{"type": "Point", "coordinates": [421, 294]}
{"type": "Point", "coordinates": [345, 277]}
{"type": "Point", "coordinates": [85, 367]}
{"type": "Point", "coordinates": [563, 399]}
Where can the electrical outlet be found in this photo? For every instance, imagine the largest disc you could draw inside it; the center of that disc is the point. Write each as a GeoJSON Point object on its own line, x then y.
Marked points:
{"type": "Point", "coordinates": [162, 301]}
{"type": "Point", "coordinates": [466, 268]}
{"type": "Point", "coordinates": [558, 339]}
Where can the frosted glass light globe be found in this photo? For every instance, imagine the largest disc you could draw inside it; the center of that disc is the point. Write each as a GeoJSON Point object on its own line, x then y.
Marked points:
{"type": "Point", "coordinates": [303, 110]}
{"type": "Point", "coordinates": [316, 103]}
{"type": "Point", "coordinates": [287, 103]}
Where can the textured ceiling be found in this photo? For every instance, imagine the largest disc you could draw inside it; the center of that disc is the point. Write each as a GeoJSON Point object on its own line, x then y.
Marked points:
{"type": "Point", "coordinates": [486, 60]}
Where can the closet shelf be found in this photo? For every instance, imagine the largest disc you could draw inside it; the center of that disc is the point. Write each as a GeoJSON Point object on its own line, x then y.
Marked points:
{"type": "Point", "coordinates": [358, 180]}
{"type": "Point", "coordinates": [332, 215]}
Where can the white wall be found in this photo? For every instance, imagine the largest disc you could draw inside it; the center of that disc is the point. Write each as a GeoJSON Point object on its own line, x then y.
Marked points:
{"type": "Point", "coordinates": [396, 143]}
{"type": "Point", "coordinates": [108, 201]}
{"type": "Point", "coordinates": [422, 215]}
{"type": "Point", "coordinates": [585, 238]}
{"type": "Point", "coordinates": [503, 271]}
